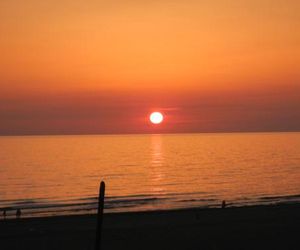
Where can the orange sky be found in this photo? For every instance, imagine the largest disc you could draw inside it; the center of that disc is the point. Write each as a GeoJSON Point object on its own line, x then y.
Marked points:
{"type": "Point", "coordinates": [81, 66]}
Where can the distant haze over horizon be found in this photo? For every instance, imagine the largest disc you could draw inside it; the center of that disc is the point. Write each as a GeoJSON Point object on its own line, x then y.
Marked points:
{"type": "Point", "coordinates": [94, 67]}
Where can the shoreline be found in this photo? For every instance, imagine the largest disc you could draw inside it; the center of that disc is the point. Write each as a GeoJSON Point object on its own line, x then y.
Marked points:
{"type": "Point", "coordinates": [107, 212]}
{"type": "Point", "coordinates": [89, 207]}
{"type": "Point", "coordinates": [250, 227]}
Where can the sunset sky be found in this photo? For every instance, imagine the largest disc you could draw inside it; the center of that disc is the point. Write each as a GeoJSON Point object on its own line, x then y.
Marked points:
{"type": "Point", "coordinates": [83, 67]}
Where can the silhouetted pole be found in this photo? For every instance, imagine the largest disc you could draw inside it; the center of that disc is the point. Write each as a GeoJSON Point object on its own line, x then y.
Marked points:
{"type": "Point", "coordinates": [100, 215]}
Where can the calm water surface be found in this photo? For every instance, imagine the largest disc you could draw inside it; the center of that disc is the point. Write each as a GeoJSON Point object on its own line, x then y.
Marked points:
{"type": "Point", "coordinates": [46, 175]}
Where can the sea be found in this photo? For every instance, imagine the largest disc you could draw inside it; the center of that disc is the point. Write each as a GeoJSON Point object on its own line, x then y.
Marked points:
{"type": "Point", "coordinates": [59, 175]}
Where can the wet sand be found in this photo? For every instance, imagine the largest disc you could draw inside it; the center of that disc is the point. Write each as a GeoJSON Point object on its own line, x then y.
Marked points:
{"type": "Point", "coordinates": [257, 227]}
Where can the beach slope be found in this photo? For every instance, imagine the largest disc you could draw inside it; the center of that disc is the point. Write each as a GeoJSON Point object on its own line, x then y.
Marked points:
{"type": "Point", "coordinates": [257, 227]}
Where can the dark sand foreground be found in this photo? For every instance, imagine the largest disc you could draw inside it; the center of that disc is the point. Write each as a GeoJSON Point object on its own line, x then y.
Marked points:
{"type": "Point", "coordinates": [259, 227]}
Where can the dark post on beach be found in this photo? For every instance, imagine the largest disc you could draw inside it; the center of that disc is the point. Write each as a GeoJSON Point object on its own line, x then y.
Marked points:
{"type": "Point", "coordinates": [100, 215]}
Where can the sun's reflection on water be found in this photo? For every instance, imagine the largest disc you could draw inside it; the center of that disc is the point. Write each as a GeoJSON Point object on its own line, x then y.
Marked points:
{"type": "Point", "coordinates": [157, 163]}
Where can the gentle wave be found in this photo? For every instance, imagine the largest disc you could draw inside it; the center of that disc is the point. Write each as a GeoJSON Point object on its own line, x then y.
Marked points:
{"type": "Point", "coordinates": [87, 205]}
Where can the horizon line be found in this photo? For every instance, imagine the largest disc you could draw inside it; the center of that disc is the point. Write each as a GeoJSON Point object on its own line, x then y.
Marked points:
{"type": "Point", "coordinates": [163, 133]}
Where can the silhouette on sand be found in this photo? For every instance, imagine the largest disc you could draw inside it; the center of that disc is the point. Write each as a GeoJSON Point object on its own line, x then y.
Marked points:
{"type": "Point", "coordinates": [18, 213]}
{"type": "Point", "coordinates": [223, 204]}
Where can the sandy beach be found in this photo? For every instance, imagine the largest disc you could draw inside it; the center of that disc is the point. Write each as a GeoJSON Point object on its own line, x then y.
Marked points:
{"type": "Point", "coordinates": [256, 227]}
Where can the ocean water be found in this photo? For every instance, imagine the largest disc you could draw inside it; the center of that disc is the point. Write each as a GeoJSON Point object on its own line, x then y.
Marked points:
{"type": "Point", "coordinates": [51, 175]}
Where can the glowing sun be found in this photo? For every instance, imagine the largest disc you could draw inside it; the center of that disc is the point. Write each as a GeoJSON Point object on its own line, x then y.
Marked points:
{"type": "Point", "coordinates": [156, 117]}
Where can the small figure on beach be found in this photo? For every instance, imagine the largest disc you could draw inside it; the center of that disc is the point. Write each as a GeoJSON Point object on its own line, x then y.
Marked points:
{"type": "Point", "coordinates": [4, 213]}
{"type": "Point", "coordinates": [223, 204]}
{"type": "Point", "coordinates": [18, 213]}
